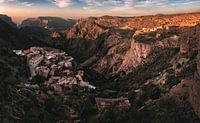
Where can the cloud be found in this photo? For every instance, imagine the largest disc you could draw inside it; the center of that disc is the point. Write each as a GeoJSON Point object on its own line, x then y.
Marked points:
{"type": "Point", "coordinates": [20, 3]}
{"type": "Point", "coordinates": [62, 3]}
{"type": "Point", "coordinates": [112, 2]}
{"type": "Point", "coordinates": [93, 3]}
{"type": "Point", "coordinates": [100, 4]}
{"type": "Point", "coordinates": [191, 2]}
{"type": "Point", "coordinates": [127, 5]}
{"type": "Point", "coordinates": [139, 4]}
{"type": "Point", "coordinates": [27, 4]}
{"type": "Point", "coordinates": [4, 1]}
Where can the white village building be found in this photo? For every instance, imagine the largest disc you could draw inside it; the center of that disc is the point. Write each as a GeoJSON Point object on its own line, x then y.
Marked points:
{"type": "Point", "coordinates": [35, 61]}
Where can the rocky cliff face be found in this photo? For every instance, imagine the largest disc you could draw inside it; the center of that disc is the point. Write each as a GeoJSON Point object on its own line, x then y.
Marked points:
{"type": "Point", "coordinates": [132, 65]}
{"type": "Point", "coordinates": [195, 88]}
{"type": "Point", "coordinates": [85, 39]}
{"type": "Point", "coordinates": [134, 55]}
{"type": "Point", "coordinates": [125, 62]}
{"type": "Point", "coordinates": [112, 50]}
{"type": "Point", "coordinates": [89, 30]}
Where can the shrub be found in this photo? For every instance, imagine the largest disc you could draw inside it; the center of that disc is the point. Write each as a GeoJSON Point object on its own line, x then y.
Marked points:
{"type": "Point", "coordinates": [172, 80]}
{"type": "Point", "coordinates": [151, 92]}
{"type": "Point", "coordinates": [38, 79]}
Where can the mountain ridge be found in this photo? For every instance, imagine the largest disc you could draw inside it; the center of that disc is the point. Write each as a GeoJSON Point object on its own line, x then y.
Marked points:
{"type": "Point", "coordinates": [152, 66]}
{"type": "Point", "coordinates": [56, 23]}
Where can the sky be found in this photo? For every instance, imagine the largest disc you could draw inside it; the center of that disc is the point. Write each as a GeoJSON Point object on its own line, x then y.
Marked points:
{"type": "Point", "coordinates": [22, 9]}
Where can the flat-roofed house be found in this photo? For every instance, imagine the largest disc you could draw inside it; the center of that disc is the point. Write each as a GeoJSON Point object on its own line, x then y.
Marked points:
{"type": "Point", "coordinates": [63, 81]}
{"type": "Point", "coordinates": [68, 64]}
{"type": "Point", "coordinates": [18, 52]}
{"type": "Point", "coordinates": [91, 87]}
{"type": "Point", "coordinates": [43, 71]}
{"type": "Point", "coordinates": [83, 84]}
{"type": "Point", "coordinates": [35, 61]}
{"type": "Point", "coordinates": [103, 103]}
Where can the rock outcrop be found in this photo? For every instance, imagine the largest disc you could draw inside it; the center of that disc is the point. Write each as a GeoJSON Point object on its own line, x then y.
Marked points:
{"type": "Point", "coordinates": [84, 39]}
{"type": "Point", "coordinates": [112, 50]}
{"type": "Point", "coordinates": [86, 29]}
{"type": "Point", "coordinates": [194, 39]}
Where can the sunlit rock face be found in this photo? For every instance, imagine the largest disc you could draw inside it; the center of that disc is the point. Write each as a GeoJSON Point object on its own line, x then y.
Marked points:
{"type": "Point", "coordinates": [112, 50]}
{"type": "Point", "coordinates": [87, 29]}
{"type": "Point", "coordinates": [150, 21]}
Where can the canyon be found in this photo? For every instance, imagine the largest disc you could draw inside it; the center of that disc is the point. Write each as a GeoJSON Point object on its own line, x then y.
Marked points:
{"type": "Point", "coordinates": [151, 60]}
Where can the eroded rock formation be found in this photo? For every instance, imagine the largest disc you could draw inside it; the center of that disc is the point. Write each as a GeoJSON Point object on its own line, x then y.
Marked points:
{"type": "Point", "coordinates": [195, 89]}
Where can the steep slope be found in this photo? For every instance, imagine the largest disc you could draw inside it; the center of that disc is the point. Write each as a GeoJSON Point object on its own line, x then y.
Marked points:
{"type": "Point", "coordinates": [193, 44]}
{"type": "Point", "coordinates": [108, 47]}
{"type": "Point", "coordinates": [12, 36]}
{"type": "Point", "coordinates": [46, 30]}
{"type": "Point", "coordinates": [85, 39]}
{"type": "Point", "coordinates": [44, 37]}
{"type": "Point", "coordinates": [8, 20]}
{"type": "Point", "coordinates": [113, 50]}
{"type": "Point", "coordinates": [22, 104]}
{"type": "Point", "coordinates": [13, 70]}
{"type": "Point", "coordinates": [19, 103]}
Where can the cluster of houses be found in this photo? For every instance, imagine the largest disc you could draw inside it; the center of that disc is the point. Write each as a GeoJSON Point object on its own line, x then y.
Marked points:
{"type": "Point", "coordinates": [103, 103]}
{"type": "Point", "coordinates": [146, 30]}
{"type": "Point", "coordinates": [57, 68]}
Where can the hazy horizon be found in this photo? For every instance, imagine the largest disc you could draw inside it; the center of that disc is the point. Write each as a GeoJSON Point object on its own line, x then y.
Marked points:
{"type": "Point", "coordinates": [22, 9]}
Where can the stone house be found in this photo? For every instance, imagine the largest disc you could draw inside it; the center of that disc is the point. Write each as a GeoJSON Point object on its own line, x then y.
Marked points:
{"type": "Point", "coordinates": [103, 103]}
{"type": "Point", "coordinates": [43, 71]}
{"type": "Point", "coordinates": [35, 61]}
{"type": "Point", "coordinates": [68, 64]}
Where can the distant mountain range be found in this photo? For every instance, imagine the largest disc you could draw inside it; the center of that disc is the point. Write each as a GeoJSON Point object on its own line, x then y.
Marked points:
{"type": "Point", "coordinates": [55, 23]}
